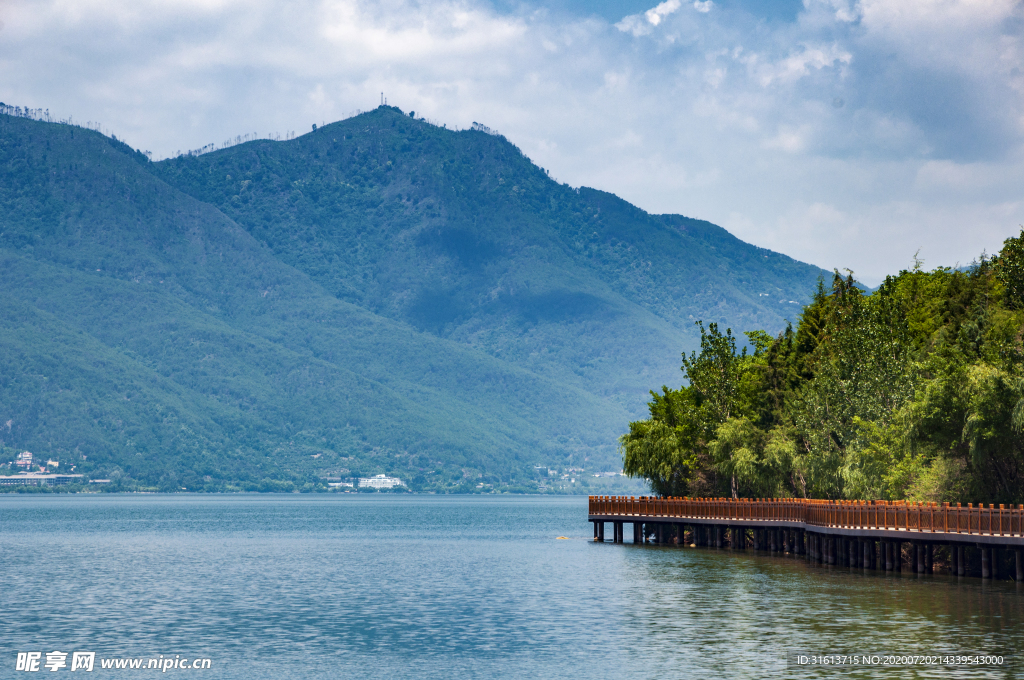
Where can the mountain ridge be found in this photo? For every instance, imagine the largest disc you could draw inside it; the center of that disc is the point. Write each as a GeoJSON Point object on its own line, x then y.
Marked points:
{"type": "Point", "coordinates": [453, 328]}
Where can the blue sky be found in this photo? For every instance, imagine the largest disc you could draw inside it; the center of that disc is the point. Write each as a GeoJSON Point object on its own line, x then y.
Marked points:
{"type": "Point", "coordinates": [848, 134]}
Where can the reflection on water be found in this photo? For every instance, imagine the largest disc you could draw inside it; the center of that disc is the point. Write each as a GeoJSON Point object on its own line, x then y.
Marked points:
{"type": "Point", "coordinates": [435, 587]}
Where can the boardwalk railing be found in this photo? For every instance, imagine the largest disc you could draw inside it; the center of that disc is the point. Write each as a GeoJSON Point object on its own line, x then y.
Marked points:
{"type": "Point", "coordinates": [897, 515]}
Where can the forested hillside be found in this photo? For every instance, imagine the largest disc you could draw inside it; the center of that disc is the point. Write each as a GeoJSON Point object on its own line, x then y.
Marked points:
{"type": "Point", "coordinates": [276, 313]}
{"type": "Point", "coordinates": [915, 391]}
{"type": "Point", "coordinates": [461, 236]}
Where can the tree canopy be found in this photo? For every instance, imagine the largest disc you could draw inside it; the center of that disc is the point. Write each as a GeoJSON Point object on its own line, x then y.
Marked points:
{"type": "Point", "coordinates": [912, 391]}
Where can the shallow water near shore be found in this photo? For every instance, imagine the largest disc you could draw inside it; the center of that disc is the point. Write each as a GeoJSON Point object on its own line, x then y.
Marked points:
{"type": "Point", "coordinates": [388, 586]}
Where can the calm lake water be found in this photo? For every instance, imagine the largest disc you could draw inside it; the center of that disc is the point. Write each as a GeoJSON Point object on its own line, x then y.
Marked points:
{"type": "Point", "coordinates": [450, 587]}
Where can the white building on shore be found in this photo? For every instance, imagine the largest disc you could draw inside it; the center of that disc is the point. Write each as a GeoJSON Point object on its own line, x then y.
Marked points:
{"type": "Point", "coordinates": [37, 479]}
{"type": "Point", "coordinates": [379, 482]}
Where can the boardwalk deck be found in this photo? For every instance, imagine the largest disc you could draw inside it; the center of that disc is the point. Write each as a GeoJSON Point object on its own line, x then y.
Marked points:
{"type": "Point", "coordinates": [837, 532]}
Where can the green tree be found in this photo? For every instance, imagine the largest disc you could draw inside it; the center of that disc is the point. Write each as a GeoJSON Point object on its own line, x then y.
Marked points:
{"type": "Point", "coordinates": [725, 389]}
{"type": "Point", "coordinates": [1010, 270]}
{"type": "Point", "coordinates": [915, 390]}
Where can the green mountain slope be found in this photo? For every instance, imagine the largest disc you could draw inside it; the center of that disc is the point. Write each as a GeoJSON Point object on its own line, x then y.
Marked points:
{"type": "Point", "coordinates": [248, 354]}
{"type": "Point", "coordinates": [460, 235]}
{"type": "Point", "coordinates": [380, 295]}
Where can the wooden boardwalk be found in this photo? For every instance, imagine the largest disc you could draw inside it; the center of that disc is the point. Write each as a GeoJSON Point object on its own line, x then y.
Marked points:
{"type": "Point", "coordinates": [868, 534]}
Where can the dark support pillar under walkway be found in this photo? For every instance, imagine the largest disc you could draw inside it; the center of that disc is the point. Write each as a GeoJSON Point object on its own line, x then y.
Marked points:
{"type": "Point", "coordinates": [986, 565]}
{"type": "Point", "coordinates": [1020, 564]}
{"type": "Point", "coordinates": [638, 536]}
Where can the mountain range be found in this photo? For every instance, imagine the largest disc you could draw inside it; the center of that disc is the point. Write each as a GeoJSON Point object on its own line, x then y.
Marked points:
{"type": "Point", "coordinates": [380, 295]}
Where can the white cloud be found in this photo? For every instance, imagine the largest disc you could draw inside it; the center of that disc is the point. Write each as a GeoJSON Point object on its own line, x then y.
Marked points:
{"type": "Point", "coordinates": [790, 141]}
{"type": "Point", "coordinates": [643, 23]}
{"type": "Point", "coordinates": [718, 115]}
{"type": "Point", "coordinates": [798, 64]}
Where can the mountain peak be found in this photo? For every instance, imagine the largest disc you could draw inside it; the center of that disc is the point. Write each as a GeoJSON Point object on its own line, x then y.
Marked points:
{"type": "Point", "coordinates": [378, 295]}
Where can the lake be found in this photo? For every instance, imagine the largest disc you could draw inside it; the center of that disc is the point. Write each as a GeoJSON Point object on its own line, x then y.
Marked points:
{"type": "Point", "coordinates": [404, 586]}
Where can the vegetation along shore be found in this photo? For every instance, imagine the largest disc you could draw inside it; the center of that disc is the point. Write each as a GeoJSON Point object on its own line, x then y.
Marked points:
{"type": "Point", "coordinates": [912, 391]}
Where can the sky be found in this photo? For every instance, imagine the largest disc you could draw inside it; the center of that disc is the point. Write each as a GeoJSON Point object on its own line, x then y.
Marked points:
{"type": "Point", "coordinates": [851, 135]}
